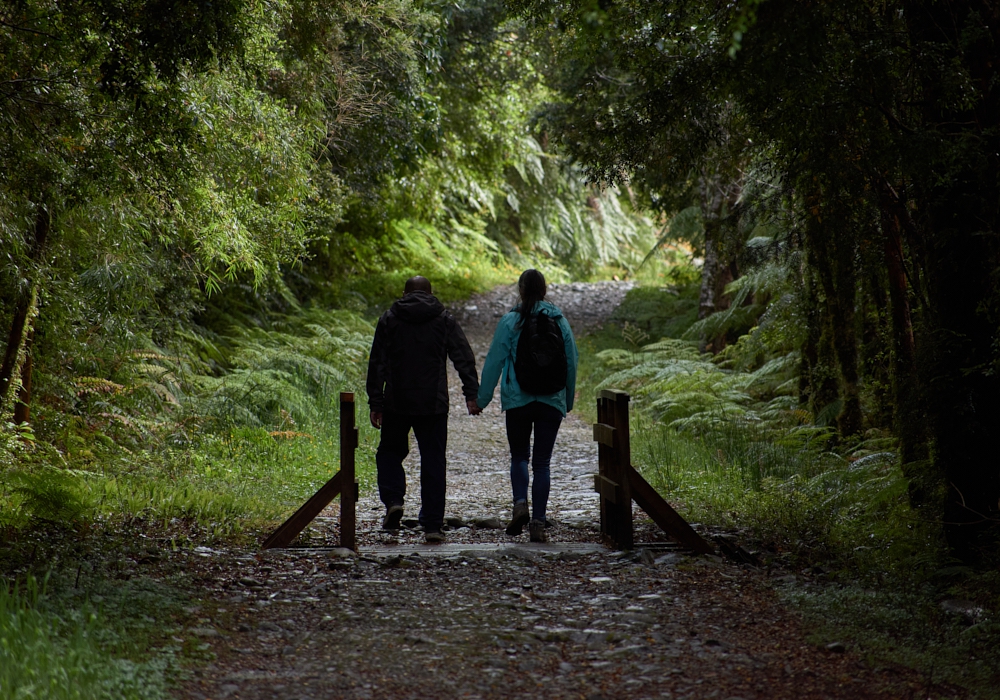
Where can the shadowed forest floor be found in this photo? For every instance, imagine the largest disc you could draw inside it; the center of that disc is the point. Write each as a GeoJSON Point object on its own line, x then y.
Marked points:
{"type": "Point", "coordinates": [488, 617]}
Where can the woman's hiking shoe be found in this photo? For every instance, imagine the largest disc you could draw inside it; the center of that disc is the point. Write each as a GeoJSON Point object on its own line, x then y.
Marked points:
{"type": "Point", "coordinates": [393, 516]}
{"type": "Point", "coordinates": [434, 537]}
{"type": "Point", "coordinates": [518, 519]}
{"type": "Point", "coordinates": [536, 531]}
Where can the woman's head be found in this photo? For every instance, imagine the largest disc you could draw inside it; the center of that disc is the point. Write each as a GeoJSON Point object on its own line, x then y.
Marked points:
{"type": "Point", "coordinates": [531, 288]}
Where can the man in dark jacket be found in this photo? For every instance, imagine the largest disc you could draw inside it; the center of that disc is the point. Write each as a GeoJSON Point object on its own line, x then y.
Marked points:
{"type": "Point", "coordinates": [408, 388]}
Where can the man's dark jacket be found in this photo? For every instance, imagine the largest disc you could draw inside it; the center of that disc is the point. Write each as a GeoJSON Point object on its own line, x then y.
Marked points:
{"type": "Point", "coordinates": [407, 371]}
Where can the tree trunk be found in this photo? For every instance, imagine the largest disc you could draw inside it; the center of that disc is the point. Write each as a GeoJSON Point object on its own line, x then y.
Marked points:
{"type": "Point", "coordinates": [15, 344]}
{"type": "Point", "coordinates": [845, 336]}
{"type": "Point", "coordinates": [15, 356]}
{"type": "Point", "coordinates": [833, 256]}
{"type": "Point", "coordinates": [875, 355]}
{"type": "Point", "coordinates": [23, 317]}
{"type": "Point", "coordinates": [819, 387]}
{"type": "Point", "coordinates": [957, 359]}
{"type": "Point", "coordinates": [810, 348]}
{"type": "Point", "coordinates": [717, 200]}
{"type": "Point", "coordinates": [22, 408]}
{"type": "Point", "coordinates": [710, 270]}
{"type": "Point", "coordinates": [910, 421]}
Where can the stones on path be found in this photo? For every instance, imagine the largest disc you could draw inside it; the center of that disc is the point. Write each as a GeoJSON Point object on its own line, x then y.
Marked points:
{"type": "Point", "coordinates": [569, 551]}
{"type": "Point", "coordinates": [487, 523]}
{"type": "Point", "coordinates": [586, 305]}
{"type": "Point", "coordinates": [495, 624]}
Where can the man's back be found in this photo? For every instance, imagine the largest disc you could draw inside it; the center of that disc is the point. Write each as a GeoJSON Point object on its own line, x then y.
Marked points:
{"type": "Point", "coordinates": [408, 367]}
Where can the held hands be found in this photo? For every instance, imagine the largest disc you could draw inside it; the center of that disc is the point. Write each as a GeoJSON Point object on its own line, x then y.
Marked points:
{"type": "Point", "coordinates": [376, 416]}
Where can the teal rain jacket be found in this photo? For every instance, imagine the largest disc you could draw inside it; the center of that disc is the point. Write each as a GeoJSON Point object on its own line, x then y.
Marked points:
{"type": "Point", "coordinates": [499, 365]}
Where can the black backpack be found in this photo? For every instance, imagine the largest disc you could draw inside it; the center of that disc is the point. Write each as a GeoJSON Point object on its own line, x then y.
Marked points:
{"type": "Point", "coordinates": [540, 366]}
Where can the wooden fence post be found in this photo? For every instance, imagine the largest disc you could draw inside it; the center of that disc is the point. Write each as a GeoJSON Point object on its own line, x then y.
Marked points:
{"type": "Point", "coordinates": [618, 482]}
{"type": "Point", "coordinates": [343, 484]}
{"type": "Point", "coordinates": [604, 436]}
{"type": "Point", "coordinates": [349, 484]}
{"type": "Point", "coordinates": [614, 456]}
{"type": "Point", "coordinates": [622, 461]}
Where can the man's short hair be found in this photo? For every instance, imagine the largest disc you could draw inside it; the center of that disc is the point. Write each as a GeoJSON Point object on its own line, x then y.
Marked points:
{"type": "Point", "coordinates": [417, 284]}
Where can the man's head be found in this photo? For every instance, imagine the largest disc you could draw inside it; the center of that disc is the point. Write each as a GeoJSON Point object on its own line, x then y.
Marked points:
{"type": "Point", "coordinates": [417, 284]}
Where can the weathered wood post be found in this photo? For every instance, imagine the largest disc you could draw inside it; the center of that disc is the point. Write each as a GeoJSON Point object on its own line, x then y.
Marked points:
{"type": "Point", "coordinates": [349, 484]}
{"type": "Point", "coordinates": [619, 483]}
{"type": "Point", "coordinates": [602, 482]}
{"type": "Point", "coordinates": [622, 463]}
{"type": "Point", "coordinates": [343, 483]}
{"type": "Point", "coordinates": [614, 456]}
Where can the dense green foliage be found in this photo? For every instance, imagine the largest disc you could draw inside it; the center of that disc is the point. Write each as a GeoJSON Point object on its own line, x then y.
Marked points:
{"type": "Point", "coordinates": [202, 209]}
{"type": "Point", "coordinates": [850, 146]}
{"type": "Point", "coordinates": [199, 212]}
{"type": "Point", "coordinates": [835, 167]}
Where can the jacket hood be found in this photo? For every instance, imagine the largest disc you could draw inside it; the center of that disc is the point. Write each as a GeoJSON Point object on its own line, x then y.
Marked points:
{"type": "Point", "coordinates": [417, 307]}
{"type": "Point", "coordinates": [548, 308]}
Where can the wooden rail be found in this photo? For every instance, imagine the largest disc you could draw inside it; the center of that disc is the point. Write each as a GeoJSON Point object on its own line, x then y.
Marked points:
{"type": "Point", "coordinates": [290, 529]}
{"type": "Point", "coordinates": [618, 483]}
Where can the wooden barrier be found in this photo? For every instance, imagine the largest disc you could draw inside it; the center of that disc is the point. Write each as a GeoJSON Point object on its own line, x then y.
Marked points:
{"type": "Point", "coordinates": [618, 483]}
{"type": "Point", "coordinates": [343, 484]}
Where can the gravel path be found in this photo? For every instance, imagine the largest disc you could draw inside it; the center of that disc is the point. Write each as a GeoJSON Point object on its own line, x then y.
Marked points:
{"type": "Point", "coordinates": [482, 617]}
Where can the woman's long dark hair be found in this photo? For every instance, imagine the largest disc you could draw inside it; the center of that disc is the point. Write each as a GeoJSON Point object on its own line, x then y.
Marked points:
{"type": "Point", "coordinates": [531, 288]}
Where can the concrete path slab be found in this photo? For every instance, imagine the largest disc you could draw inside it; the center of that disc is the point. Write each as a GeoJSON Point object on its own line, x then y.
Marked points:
{"type": "Point", "coordinates": [485, 549]}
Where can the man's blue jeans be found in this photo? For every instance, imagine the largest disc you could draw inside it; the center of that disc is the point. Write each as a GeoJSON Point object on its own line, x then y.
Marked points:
{"type": "Point", "coordinates": [432, 439]}
{"type": "Point", "coordinates": [545, 420]}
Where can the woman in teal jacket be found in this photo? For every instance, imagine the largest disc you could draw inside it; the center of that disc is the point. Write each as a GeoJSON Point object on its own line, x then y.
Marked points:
{"type": "Point", "coordinates": [526, 411]}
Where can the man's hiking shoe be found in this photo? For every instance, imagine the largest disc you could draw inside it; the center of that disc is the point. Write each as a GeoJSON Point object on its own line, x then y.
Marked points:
{"type": "Point", "coordinates": [434, 537]}
{"type": "Point", "coordinates": [518, 519]}
{"type": "Point", "coordinates": [393, 516]}
{"type": "Point", "coordinates": [536, 531]}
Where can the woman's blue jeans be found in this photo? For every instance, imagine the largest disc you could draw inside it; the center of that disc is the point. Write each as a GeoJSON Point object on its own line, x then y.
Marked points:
{"type": "Point", "coordinates": [545, 420]}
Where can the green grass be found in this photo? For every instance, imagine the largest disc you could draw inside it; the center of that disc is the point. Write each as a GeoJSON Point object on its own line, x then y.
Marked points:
{"type": "Point", "coordinates": [844, 521]}
{"type": "Point", "coordinates": [902, 624]}
{"type": "Point", "coordinates": [789, 494]}
{"type": "Point", "coordinates": [229, 484]}
{"type": "Point", "coordinates": [230, 432]}
{"type": "Point", "coordinates": [52, 654]}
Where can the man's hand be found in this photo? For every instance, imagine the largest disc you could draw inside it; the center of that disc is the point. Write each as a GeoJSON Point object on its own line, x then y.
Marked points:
{"type": "Point", "coordinates": [473, 407]}
{"type": "Point", "coordinates": [376, 418]}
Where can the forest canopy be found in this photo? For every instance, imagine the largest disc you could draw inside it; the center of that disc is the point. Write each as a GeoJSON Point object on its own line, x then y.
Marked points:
{"type": "Point", "coordinates": [204, 206]}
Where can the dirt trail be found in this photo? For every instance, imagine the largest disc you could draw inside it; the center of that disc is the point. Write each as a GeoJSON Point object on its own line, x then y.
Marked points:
{"type": "Point", "coordinates": [482, 617]}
